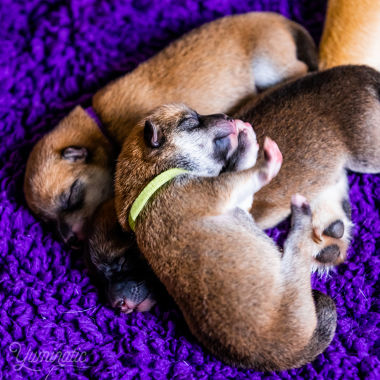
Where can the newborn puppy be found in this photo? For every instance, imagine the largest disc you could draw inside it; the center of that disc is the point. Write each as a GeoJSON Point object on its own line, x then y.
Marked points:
{"type": "Point", "coordinates": [128, 279]}
{"type": "Point", "coordinates": [199, 238]}
{"type": "Point", "coordinates": [212, 69]}
{"type": "Point", "coordinates": [323, 123]}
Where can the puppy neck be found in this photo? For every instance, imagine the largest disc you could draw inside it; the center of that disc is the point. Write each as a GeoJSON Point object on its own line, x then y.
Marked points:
{"type": "Point", "coordinates": [133, 174]}
{"type": "Point", "coordinates": [94, 116]}
{"type": "Point", "coordinates": [148, 192]}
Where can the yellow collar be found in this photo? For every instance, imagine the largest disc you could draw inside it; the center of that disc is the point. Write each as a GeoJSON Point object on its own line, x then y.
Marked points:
{"type": "Point", "coordinates": [149, 190]}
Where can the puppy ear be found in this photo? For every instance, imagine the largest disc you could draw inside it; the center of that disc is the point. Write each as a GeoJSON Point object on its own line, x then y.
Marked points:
{"type": "Point", "coordinates": [75, 154]}
{"type": "Point", "coordinates": [152, 135]}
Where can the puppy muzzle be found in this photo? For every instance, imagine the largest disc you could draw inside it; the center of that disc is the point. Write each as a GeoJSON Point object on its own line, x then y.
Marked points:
{"type": "Point", "coordinates": [130, 295]}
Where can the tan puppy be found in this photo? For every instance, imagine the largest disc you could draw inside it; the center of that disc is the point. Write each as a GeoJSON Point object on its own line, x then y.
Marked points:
{"type": "Point", "coordinates": [211, 68]}
{"type": "Point", "coordinates": [351, 34]}
{"type": "Point", "coordinates": [245, 301]}
{"type": "Point", "coordinates": [324, 123]}
{"type": "Point", "coordinates": [341, 110]}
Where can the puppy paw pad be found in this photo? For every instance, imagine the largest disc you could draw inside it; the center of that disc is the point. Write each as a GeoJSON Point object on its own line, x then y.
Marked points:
{"type": "Point", "coordinates": [329, 254]}
{"type": "Point", "coordinates": [335, 229]}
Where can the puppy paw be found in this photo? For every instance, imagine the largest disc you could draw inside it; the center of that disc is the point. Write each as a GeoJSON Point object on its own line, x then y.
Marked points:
{"type": "Point", "coordinates": [331, 225]}
{"type": "Point", "coordinates": [332, 237]}
{"type": "Point", "coordinates": [333, 240]}
{"type": "Point", "coordinates": [272, 163]}
{"type": "Point", "coordinates": [301, 212]}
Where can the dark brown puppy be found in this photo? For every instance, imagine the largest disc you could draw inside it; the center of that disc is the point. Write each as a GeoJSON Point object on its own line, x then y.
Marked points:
{"type": "Point", "coordinates": [128, 280]}
{"type": "Point", "coordinates": [324, 123]}
{"type": "Point", "coordinates": [245, 301]}
{"type": "Point", "coordinates": [212, 68]}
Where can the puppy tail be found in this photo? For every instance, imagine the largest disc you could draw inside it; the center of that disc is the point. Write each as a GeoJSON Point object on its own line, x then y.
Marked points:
{"type": "Point", "coordinates": [325, 330]}
{"type": "Point", "coordinates": [306, 48]}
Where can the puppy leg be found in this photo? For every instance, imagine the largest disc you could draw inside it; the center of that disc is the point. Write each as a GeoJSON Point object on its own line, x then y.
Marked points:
{"type": "Point", "coordinates": [258, 176]}
{"type": "Point", "coordinates": [332, 225]}
{"type": "Point", "coordinates": [235, 189]}
{"type": "Point", "coordinates": [299, 246]}
{"type": "Point", "coordinates": [309, 308]}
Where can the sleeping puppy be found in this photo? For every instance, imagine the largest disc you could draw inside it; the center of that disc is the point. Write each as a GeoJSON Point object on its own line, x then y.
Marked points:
{"type": "Point", "coordinates": [324, 124]}
{"type": "Point", "coordinates": [212, 69]}
{"type": "Point", "coordinates": [113, 255]}
{"type": "Point", "coordinates": [199, 238]}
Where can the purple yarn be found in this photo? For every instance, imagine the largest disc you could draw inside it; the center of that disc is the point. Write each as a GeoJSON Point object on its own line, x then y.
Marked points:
{"type": "Point", "coordinates": [102, 128]}
{"type": "Point", "coordinates": [56, 54]}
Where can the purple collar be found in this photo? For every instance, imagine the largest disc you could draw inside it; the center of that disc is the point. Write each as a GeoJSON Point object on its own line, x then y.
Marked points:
{"type": "Point", "coordinates": [91, 112]}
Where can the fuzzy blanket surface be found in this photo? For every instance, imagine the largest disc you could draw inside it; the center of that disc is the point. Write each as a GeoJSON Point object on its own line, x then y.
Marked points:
{"type": "Point", "coordinates": [53, 324]}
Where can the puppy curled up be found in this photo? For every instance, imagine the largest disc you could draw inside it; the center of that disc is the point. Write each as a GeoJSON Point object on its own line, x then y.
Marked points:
{"type": "Point", "coordinates": [324, 124]}
{"type": "Point", "coordinates": [248, 303]}
{"type": "Point", "coordinates": [69, 171]}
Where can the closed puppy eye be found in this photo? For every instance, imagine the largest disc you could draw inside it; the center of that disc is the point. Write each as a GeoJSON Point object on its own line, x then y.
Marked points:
{"type": "Point", "coordinates": [189, 122]}
{"type": "Point", "coordinates": [75, 154]}
{"type": "Point", "coordinates": [72, 199]}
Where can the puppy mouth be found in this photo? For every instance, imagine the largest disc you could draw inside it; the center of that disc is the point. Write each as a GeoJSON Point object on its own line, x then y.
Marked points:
{"type": "Point", "coordinates": [127, 306]}
{"type": "Point", "coordinates": [131, 295]}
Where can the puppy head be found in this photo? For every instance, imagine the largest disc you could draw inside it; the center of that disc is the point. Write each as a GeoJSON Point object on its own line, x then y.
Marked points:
{"type": "Point", "coordinates": [177, 136]}
{"type": "Point", "coordinates": [68, 175]}
{"type": "Point", "coordinates": [114, 254]}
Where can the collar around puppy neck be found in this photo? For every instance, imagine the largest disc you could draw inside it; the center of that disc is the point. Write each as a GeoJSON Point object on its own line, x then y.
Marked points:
{"type": "Point", "coordinates": [94, 116]}
{"type": "Point", "coordinates": [143, 198]}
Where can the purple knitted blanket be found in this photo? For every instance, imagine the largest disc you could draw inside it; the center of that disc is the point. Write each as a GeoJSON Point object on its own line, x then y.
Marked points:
{"type": "Point", "coordinates": [55, 54]}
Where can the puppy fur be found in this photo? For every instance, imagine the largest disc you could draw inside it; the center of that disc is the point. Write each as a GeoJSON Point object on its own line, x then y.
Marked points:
{"type": "Point", "coordinates": [204, 246]}
{"type": "Point", "coordinates": [351, 34]}
{"type": "Point", "coordinates": [323, 123]}
{"type": "Point", "coordinates": [249, 52]}
{"type": "Point", "coordinates": [128, 281]}
{"type": "Point", "coordinates": [211, 68]}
